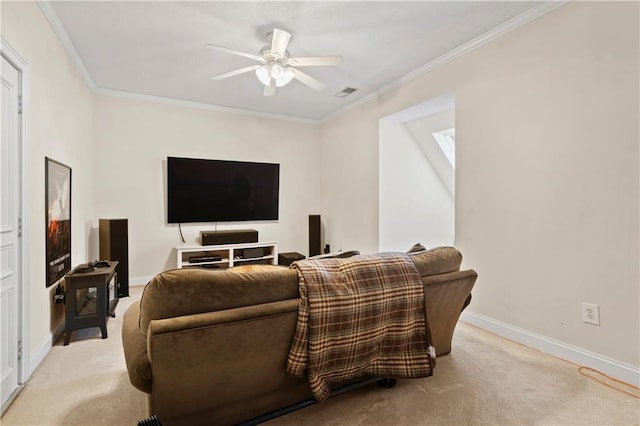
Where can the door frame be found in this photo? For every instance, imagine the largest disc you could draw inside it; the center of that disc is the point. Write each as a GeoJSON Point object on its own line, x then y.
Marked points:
{"type": "Point", "coordinates": [10, 54]}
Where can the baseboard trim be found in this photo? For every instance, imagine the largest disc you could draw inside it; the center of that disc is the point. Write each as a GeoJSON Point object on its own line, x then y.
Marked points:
{"type": "Point", "coordinates": [41, 351]}
{"type": "Point", "coordinates": [43, 348]}
{"type": "Point", "coordinates": [621, 371]}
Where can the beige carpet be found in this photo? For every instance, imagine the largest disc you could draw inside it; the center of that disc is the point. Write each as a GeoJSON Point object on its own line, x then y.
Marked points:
{"type": "Point", "coordinates": [485, 380]}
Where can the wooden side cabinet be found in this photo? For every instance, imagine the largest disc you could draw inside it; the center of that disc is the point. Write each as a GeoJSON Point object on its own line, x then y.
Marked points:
{"type": "Point", "coordinates": [90, 299]}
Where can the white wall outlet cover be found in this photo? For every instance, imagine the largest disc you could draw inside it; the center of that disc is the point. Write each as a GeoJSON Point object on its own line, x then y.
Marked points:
{"type": "Point", "coordinates": [590, 313]}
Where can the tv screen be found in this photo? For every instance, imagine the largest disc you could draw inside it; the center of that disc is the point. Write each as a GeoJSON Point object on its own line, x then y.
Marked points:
{"type": "Point", "coordinates": [200, 190]}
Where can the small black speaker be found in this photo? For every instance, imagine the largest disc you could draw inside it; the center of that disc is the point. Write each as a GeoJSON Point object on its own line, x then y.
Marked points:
{"type": "Point", "coordinates": [314, 235]}
{"type": "Point", "coordinates": [114, 245]}
{"type": "Point", "coordinates": [286, 259]}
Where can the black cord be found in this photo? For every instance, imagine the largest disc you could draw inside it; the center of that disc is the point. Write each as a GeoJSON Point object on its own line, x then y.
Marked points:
{"type": "Point", "coordinates": [180, 229]}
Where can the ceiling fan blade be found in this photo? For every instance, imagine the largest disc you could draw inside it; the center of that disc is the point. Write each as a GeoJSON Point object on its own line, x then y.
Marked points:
{"type": "Point", "coordinates": [316, 61]}
{"type": "Point", "coordinates": [279, 41]}
{"type": "Point", "coordinates": [234, 52]}
{"type": "Point", "coordinates": [308, 80]}
{"type": "Point", "coordinates": [270, 90]}
{"type": "Point", "coordinates": [236, 72]}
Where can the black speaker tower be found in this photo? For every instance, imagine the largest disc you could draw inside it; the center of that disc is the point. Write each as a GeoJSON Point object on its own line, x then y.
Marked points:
{"type": "Point", "coordinates": [114, 245]}
{"type": "Point", "coordinates": [315, 245]}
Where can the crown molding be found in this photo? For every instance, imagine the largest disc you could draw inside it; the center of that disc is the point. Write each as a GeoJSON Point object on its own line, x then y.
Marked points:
{"type": "Point", "coordinates": [512, 24]}
{"type": "Point", "coordinates": [524, 18]}
{"type": "Point", "coordinates": [199, 105]}
{"type": "Point", "coordinates": [51, 15]}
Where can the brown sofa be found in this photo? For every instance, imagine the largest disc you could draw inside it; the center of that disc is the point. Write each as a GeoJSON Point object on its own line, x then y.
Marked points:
{"type": "Point", "coordinates": [210, 347]}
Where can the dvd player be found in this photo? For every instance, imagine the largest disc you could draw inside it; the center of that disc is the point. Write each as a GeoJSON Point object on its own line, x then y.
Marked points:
{"type": "Point", "coordinates": [202, 259]}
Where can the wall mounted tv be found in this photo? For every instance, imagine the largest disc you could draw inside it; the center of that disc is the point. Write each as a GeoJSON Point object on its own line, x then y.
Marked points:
{"type": "Point", "coordinates": [200, 190]}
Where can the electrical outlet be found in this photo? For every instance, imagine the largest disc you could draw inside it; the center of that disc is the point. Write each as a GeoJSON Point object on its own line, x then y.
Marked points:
{"type": "Point", "coordinates": [590, 313]}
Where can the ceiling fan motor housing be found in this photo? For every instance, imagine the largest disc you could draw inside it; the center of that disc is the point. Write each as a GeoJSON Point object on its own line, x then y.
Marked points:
{"type": "Point", "coordinates": [267, 56]}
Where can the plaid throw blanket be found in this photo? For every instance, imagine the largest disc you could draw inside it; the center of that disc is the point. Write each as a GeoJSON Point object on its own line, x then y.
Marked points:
{"type": "Point", "coordinates": [359, 316]}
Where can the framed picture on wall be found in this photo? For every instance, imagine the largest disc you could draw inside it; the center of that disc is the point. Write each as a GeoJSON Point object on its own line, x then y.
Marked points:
{"type": "Point", "coordinates": [58, 219]}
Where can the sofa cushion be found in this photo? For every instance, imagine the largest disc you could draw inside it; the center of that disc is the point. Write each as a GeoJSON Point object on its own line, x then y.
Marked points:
{"type": "Point", "coordinates": [438, 260]}
{"type": "Point", "coordinates": [187, 291]}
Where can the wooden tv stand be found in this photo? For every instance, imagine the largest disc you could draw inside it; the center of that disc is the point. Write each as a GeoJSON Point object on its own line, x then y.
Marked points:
{"type": "Point", "coordinates": [226, 255]}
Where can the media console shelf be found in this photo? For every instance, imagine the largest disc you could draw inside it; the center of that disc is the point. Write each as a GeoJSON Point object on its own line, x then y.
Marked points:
{"type": "Point", "coordinates": [226, 255]}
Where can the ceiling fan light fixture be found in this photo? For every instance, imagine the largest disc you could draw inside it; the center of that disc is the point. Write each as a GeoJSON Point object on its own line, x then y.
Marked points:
{"type": "Point", "coordinates": [282, 75]}
{"type": "Point", "coordinates": [276, 71]}
{"type": "Point", "coordinates": [284, 78]}
{"type": "Point", "coordinates": [264, 75]}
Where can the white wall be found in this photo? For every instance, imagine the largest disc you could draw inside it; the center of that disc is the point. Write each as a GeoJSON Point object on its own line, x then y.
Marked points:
{"type": "Point", "coordinates": [415, 206]}
{"type": "Point", "coordinates": [134, 140]}
{"type": "Point", "coordinates": [557, 194]}
{"type": "Point", "coordinates": [348, 157]}
{"type": "Point", "coordinates": [547, 181]}
{"type": "Point", "coordinates": [59, 126]}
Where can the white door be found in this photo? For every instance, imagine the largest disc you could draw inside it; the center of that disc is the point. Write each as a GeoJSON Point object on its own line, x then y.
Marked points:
{"type": "Point", "coordinates": [9, 229]}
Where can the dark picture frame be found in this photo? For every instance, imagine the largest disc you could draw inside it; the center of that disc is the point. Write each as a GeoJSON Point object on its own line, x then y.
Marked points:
{"type": "Point", "coordinates": [57, 219]}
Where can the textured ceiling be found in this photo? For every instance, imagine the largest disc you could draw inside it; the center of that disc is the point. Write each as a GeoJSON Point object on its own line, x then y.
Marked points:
{"type": "Point", "coordinates": [158, 48]}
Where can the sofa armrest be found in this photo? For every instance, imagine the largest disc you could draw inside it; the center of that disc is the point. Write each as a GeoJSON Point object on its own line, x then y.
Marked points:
{"type": "Point", "coordinates": [446, 295]}
{"type": "Point", "coordinates": [135, 350]}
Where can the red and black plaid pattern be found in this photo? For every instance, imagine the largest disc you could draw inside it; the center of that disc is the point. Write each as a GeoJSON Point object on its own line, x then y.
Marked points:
{"type": "Point", "coordinates": [364, 315]}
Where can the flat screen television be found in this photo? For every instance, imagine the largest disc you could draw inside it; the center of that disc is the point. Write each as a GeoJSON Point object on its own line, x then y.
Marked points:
{"type": "Point", "coordinates": [200, 190]}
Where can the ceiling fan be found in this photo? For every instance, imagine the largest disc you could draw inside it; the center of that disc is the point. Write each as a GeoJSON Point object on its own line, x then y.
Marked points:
{"type": "Point", "coordinates": [276, 67]}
